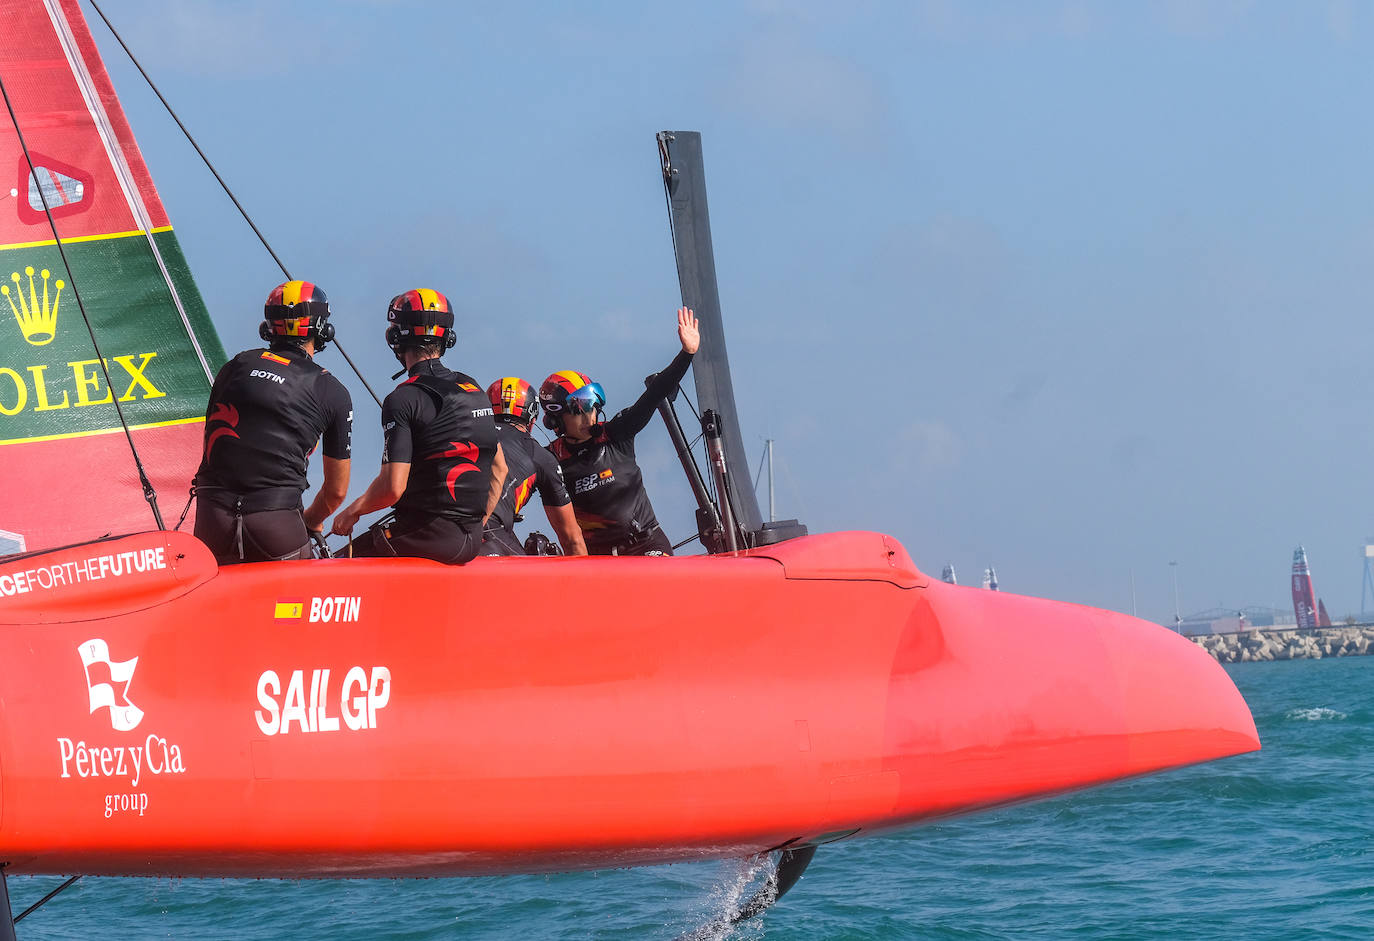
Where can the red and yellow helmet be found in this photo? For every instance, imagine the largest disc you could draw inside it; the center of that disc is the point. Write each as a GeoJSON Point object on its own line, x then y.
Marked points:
{"type": "Point", "coordinates": [295, 312]}
{"type": "Point", "coordinates": [513, 400]}
{"type": "Point", "coordinates": [569, 391]}
{"type": "Point", "coordinates": [416, 315]}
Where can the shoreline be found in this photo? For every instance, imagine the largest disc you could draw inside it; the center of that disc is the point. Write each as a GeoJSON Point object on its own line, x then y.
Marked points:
{"type": "Point", "coordinates": [1288, 644]}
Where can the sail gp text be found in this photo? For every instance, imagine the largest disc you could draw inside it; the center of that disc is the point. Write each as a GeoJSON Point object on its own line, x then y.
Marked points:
{"type": "Point", "coordinates": [359, 699]}
{"type": "Point", "coordinates": [156, 756]}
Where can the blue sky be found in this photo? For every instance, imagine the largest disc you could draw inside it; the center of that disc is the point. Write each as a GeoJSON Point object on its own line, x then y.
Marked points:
{"type": "Point", "coordinates": [1071, 288]}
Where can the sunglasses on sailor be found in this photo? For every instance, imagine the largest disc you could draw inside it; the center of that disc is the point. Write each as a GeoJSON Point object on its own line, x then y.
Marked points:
{"type": "Point", "coordinates": [586, 399]}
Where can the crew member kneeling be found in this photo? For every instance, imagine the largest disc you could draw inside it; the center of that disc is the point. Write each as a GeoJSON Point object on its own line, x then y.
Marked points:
{"type": "Point", "coordinates": [442, 466]}
{"type": "Point", "coordinates": [267, 411]}
{"type": "Point", "coordinates": [531, 468]}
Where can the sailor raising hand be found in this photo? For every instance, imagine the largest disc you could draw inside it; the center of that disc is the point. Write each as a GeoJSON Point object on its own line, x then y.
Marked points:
{"type": "Point", "coordinates": [598, 457]}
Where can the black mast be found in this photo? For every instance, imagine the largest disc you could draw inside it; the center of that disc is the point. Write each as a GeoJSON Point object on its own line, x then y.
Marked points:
{"type": "Point", "coordinates": [684, 177]}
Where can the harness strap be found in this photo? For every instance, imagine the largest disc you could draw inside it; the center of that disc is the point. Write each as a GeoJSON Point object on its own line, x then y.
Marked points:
{"type": "Point", "coordinates": [381, 536]}
{"type": "Point", "coordinates": [190, 498]}
{"type": "Point", "coordinates": [639, 539]}
{"type": "Point", "coordinates": [238, 527]}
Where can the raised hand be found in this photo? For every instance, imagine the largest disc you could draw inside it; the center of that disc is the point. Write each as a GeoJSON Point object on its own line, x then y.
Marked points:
{"type": "Point", "coordinates": [687, 331]}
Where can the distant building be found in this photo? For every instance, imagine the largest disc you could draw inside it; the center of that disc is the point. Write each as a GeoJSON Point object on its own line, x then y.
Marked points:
{"type": "Point", "coordinates": [1237, 620]}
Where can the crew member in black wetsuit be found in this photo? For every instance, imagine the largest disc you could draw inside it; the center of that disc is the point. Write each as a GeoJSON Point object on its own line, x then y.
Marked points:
{"type": "Point", "coordinates": [268, 409]}
{"type": "Point", "coordinates": [442, 466]}
{"type": "Point", "coordinates": [531, 467]}
{"type": "Point", "coordinates": [598, 458]}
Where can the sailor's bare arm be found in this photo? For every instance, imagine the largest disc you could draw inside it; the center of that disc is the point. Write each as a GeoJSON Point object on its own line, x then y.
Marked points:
{"type": "Point", "coordinates": [498, 481]}
{"type": "Point", "coordinates": [384, 491]}
{"type": "Point", "coordinates": [564, 522]}
{"type": "Point", "coordinates": [331, 494]}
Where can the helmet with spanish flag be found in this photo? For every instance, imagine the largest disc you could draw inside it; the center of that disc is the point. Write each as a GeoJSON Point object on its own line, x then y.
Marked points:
{"type": "Point", "coordinates": [572, 392]}
{"type": "Point", "coordinates": [420, 317]}
{"type": "Point", "coordinates": [513, 400]}
{"type": "Point", "coordinates": [295, 312]}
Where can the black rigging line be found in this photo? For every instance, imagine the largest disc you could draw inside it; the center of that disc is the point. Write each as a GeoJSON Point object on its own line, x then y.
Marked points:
{"type": "Point", "coordinates": [149, 493]}
{"type": "Point", "coordinates": [690, 403]}
{"type": "Point", "coordinates": [44, 900]}
{"type": "Point", "coordinates": [679, 545]}
{"type": "Point", "coordinates": [667, 164]}
{"type": "Point", "coordinates": [224, 186]}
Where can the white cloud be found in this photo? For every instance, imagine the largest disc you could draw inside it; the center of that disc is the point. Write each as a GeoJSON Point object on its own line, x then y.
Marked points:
{"type": "Point", "coordinates": [814, 11]}
{"type": "Point", "coordinates": [1008, 21]}
{"type": "Point", "coordinates": [621, 325]}
{"type": "Point", "coordinates": [1339, 19]}
{"type": "Point", "coordinates": [1080, 18]}
{"type": "Point", "coordinates": [1204, 19]}
{"type": "Point", "coordinates": [782, 81]}
{"type": "Point", "coordinates": [958, 263]}
{"type": "Point", "coordinates": [212, 38]}
{"type": "Point", "coordinates": [929, 445]}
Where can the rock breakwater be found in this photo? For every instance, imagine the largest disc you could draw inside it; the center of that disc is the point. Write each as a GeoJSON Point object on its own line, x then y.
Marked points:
{"type": "Point", "coordinates": [1258, 645]}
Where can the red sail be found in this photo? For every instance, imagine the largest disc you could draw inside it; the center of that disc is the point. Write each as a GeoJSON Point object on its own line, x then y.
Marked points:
{"type": "Point", "coordinates": [1304, 601]}
{"type": "Point", "coordinates": [69, 473]}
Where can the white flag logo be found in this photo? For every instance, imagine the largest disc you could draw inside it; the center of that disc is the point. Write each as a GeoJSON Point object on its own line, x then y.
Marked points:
{"type": "Point", "coordinates": [108, 684]}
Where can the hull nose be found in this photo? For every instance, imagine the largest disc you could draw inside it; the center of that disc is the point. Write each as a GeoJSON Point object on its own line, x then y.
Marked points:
{"type": "Point", "coordinates": [997, 698]}
{"type": "Point", "coordinates": [1177, 704]}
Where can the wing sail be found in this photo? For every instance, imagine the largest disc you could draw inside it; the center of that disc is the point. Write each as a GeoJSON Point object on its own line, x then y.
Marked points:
{"type": "Point", "coordinates": [68, 472]}
{"type": "Point", "coordinates": [685, 177]}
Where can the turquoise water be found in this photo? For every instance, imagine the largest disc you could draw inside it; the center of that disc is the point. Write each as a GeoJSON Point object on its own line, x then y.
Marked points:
{"type": "Point", "coordinates": [1278, 844]}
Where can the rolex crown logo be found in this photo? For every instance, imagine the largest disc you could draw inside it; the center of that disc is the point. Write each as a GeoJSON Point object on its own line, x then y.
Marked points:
{"type": "Point", "coordinates": [39, 323]}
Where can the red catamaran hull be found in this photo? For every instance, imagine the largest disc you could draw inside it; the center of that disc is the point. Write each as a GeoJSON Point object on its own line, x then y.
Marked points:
{"type": "Point", "coordinates": [366, 717]}
{"type": "Point", "coordinates": [529, 714]}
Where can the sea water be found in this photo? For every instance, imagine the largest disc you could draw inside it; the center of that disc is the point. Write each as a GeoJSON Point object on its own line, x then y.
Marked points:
{"type": "Point", "coordinates": [1276, 844]}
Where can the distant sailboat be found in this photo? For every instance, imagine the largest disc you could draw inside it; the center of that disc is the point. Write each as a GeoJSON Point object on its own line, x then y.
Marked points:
{"type": "Point", "coordinates": [947, 574]}
{"type": "Point", "coordinates": [990, 578]}
{"type": "Point", "coordinates": [1304, 605]}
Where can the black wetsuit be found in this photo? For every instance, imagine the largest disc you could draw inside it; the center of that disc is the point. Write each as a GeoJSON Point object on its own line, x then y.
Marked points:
{"type": "Point", "coordinates": [604, 480]}
{"type": "Point", "coordinates": [267, 411]}
{"type": "Point", "coordinates": [529, 468]}
{"type": "Point", "coordinates": [439, 422]}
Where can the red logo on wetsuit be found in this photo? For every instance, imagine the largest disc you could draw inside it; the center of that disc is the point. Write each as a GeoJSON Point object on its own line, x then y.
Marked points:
{"type": "Point", "coordinates": [466, 452]}
{"type": "Point", "coordinates": [229, 416]}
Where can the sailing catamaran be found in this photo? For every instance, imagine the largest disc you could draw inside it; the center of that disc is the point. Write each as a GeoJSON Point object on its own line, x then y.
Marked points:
{"type": "Point", "coordinates": [362, 717]}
